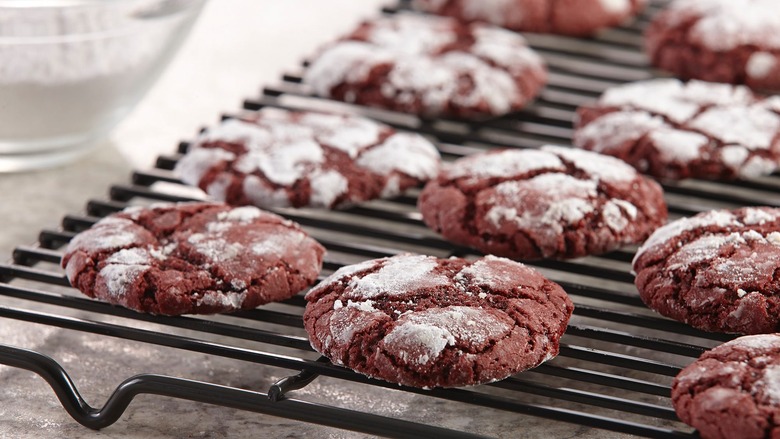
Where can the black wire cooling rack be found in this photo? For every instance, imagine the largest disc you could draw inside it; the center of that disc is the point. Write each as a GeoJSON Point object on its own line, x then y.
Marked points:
{"type": "Point", "coordinates": [617, 358]}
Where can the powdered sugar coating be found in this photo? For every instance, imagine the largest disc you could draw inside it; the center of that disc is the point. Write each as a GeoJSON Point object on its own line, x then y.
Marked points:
{"type": "Point", "coordinates": [760, 342]}
{"type": "Point", "coordinates": [568, 202]}
{"type": "Point", "coordinates": [753, 127]}
{"type": "Point", "coordinates": [393, 155]}
{"type": "Point", "coordinates": [681, 146]}
{"type": "Point", "coordinates": [613, 130]}
{"type": "Point", "coordinates": [759, 216]}
{"type": "Point", "coordinates": [732, 390]}
{"type": "Point", "coordinates": [598, 167]}
{"type": "Point", "coordinates": [450, 322]}
{"type": "Point", "coordinates": [542, 203]}
{"type": "Point", "coordinates": [505, 49]}
{"type": "Point", "coordinates": [616, 6]}
{"type": "Point", "coordinates": [761, 64]}
{"type": "Point", "coordinates": [769, 384]}
{"type": "Point", "coordinates": [497, 273]}
{"type": "Point", "coordinates": [243, 214]}
{"type": "Point", "coordinates": [671, 231]}
{"type": "Point", "coordinates": [733, 41]}
{"type": "Point", "coordinates": [119, 277]}
{"type": "Point", "coordinates": [424, 61]}
{"type": "Point", "coordinates": [258, 192]}
{"type": "Point", "coordinates": [193, 258]}
{"type": "Point", "coordinates": [421, 337]}
{"type": "Point", "coordinates": [665, 97]}
{"type": "Point", "coordinates": [327, 186]}
{"type": "Point", "coordinates": [351, 138]}
{"type": "Point", "coordinates": [397, 277]}
{"type": "Point", "coordinates": [674, 130]}
{"type": "Point", "coordinates": [715, 271]}
{"type": "Point", "coordinates": [506, 163]}
{"type": "Point", "coordinates": [219, 299]}
{"type": "Point", "coordinates": [618, 214]}
{"type": "Point", "coordinates": [109, 234]}
{"type": "Point", "coordinates": [131, 256]}
{"type": "Point", "coordinates": [199, 162]}
{"type": "Point", "coordinates": [279, 158]}
{"type": "Point", "coordinates": [538, 15]}
{"type": "Point", "coordinates": [726, 24]}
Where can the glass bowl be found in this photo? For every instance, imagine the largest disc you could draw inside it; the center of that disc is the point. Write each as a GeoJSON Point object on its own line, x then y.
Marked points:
{"type": "Point", "coordinates": [72, 69]}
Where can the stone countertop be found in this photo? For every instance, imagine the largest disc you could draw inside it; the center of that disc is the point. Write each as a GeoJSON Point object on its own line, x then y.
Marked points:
{"type": "Point", "coordinates": [237, 46]}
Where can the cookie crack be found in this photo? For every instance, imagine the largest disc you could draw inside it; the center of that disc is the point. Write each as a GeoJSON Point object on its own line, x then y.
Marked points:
{"type": "Point", "coordinates": [471, 193]}
{"type": "Point", "coordinates": [683, 281]}
{"type": "Point", "coordinates": [549, 19]}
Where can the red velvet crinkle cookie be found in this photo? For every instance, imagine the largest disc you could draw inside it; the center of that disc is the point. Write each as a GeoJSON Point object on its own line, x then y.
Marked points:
{"type": "Point", "coordinates": [192, 258]}
{"type": "Point", "coordinates": [715, 271]}
{"type": "Point", "coordinates": [734, 41]}
{"type": "Point", "coordinates": [430, 66]}
{"type": "Point", "coordinates": [427, 322]}
{"type": "Point", "coordinates": [279, 158]}
{"type": "Point", "coordinates": [673, 130]}
{"type": "Point", "coordinates": [733, 390]}
{"type": "Point", "coordinates": [568, 17]}
{"type": "Point", "coordinates": [550, 203]}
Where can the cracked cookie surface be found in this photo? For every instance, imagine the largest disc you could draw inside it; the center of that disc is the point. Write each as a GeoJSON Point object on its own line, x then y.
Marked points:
{"type": "Point", "coordinates": [672, 130]}
{"type": "Point", "coordinates": [553, 202]}
{"type": "Point", "coordinates": [567, 17]}
{"type": "Point", "coordinates": [429, 66]}
{"type": "Point", "coordinates": [192, 258]}
{"type": "Point", "coordinates": [280, 158]}
{"type": "Point", "coordinates": [733, 390]}
{"type": "Point", "coordinates": [427, 322]}
{"type": "Point", "coordinates": [734, 41]}
{"type": "Point", "coordinates": [716, 271]}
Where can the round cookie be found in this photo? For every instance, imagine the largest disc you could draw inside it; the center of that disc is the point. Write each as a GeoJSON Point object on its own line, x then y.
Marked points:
{"type": "Point", "coordinates": [192, 258]}
{"type": "Point", "coordinates": [429, 66]}
{"type": "Point", "coordinates": [734, 41]}
{"type": "Point", "coordinates": [278, 158]}
{"type": "Point", "coordinates": [567, 17]}
{"type": "Point", "coordinates": [733, 390]}
{"type": "Point", "coordinates": [715, 271]}
{"type": "Point", "coordinates": [673, 130]}
{"type": "Point", "coordinates": [550, 203]}
{"type": "Point", "coordinates": [427, 322]}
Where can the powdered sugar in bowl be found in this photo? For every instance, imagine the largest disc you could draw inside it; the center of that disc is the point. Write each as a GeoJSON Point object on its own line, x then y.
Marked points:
{"type": "Point", "coordinates": [70, 70]}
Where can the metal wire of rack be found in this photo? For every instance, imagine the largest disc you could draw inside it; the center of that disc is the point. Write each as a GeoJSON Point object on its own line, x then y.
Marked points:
{"type": "Point", "coordinates": [617, 358]}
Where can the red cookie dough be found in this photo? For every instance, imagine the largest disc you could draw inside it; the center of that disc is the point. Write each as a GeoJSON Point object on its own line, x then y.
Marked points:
{"type": "Point", "coordinates": [192, 258]}
{"type": "Point", "coordinates": [673, 130]}
{"type": "Point", "coordinates": [550, 203]}
{"type": "Point", "coordinates": [427, 322]}
{"type": "Point", "coordinates": [430, 66]}
{"type": "Point", "coordinates": [278, 158]}
{"type": "Point", "coordinates": [715, 271]}
{"type": "Point", "coordinates": [568, 17]}
{"type": "Point", "coordinates": [733, 390]}
{"type": "Point", "coordinates": [734, 41]}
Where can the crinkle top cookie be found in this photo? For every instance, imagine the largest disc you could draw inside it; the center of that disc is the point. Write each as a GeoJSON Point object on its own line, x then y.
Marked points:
{"type": "Point", "coordinates": [428, 322]}
{"type": "Point", "coordinates": [280, 158]}
{"type": "Point", "coordinates": [431, 66]}
{"type": "Point", "coordinates": [192, 258]}
{"type": "Point", "coordinates": [675, 130]}
{"type": "Point", "coordinates": [568, 17]}
{"type": "Point", "coordinates": [716, 271]}
{"type": "Point", "coordinates": [733, 390]}
{"type": "Point", "coordinates": [735, 41]}
{"type": "Point", "coordinates": [550, 203]}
